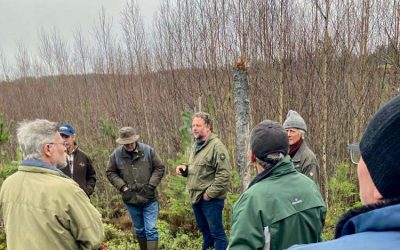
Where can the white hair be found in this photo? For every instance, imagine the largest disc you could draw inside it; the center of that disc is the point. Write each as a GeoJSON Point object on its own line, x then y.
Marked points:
{"type": "Point", "coordinates": [302, 133]}
{"type": "Point", "coordinates": [32, 135]}
{"type": "Point", "coordinates": [271, 160]}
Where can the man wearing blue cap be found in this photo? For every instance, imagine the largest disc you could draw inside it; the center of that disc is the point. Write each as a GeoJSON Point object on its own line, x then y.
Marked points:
{"type": "Point", "coordinates": [79, 165]}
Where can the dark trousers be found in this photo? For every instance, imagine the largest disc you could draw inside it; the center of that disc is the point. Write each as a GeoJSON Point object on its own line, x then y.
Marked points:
{"type": "Point", "coordinates": [209, 221]}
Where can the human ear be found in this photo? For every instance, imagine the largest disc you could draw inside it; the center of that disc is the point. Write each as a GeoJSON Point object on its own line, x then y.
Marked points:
{"type": "Point", "coordinates": [252, 157]}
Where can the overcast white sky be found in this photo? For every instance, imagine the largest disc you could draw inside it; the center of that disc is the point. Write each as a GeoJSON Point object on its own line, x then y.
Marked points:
{"type": "Point", "coordinates": [20, 20]}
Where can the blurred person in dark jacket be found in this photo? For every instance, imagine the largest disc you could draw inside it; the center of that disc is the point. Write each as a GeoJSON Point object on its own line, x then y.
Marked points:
{"type": "Point", "coordinates": [135, 170]}
{"type": "Point", "coordinates": [79, 165]}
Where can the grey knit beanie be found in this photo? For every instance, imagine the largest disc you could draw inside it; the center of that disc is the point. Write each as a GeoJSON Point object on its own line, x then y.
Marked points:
{"type": "Point", "coordinates": [294, 120]}
{"type": "Point", "coordinates": [380, 149]}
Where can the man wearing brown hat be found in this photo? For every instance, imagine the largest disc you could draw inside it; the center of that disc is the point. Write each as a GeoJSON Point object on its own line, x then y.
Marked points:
{"type": "Point", "coordinates": [136, 170]}
{"type": "Point", "coordinates": [281, 207]}
{"type": "Point", "coordinates": [376, 225]}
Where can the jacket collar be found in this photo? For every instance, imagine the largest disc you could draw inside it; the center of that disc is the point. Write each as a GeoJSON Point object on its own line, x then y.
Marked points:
{"type": "Point", "coordinates": [40, 164]}
{"type": "Point", "coordinates": [212, 137]}
{"type": "Point", "coordinates": [300, 151]}
{"type": "Point", "coordinates": [384, 216]}
{"type": "Point", "coordinates": [136, 154]}
{"type": "Point", "coordinates": [283, 167]}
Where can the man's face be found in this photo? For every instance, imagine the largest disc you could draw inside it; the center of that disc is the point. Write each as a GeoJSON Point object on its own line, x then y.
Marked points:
{"type": "Point", "coordinates": [59, 152]}
{"type": "Point", "coordinates": [130, 147]}
{"type": "Point", "coordinates": [69, 139]}
{"type": "Point", "coordinates": [368, 192]}
{"type": "Point", "coordinates": [200, 129]}
{"type": "Point", "coordinates": [294, 135]}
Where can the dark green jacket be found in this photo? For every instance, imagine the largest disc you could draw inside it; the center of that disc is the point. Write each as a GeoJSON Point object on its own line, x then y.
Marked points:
{"type": "Point", "coordinates": [283, 209]}
{"type": "Point", "coordinates": [141, 174]}
{"type": "Point", "coordinates": [208, 170]}
{"type": "Point", "coordinates": [306, 163]}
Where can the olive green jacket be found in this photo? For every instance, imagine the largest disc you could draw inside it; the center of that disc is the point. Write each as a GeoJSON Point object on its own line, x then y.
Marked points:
{"type": "Point", "coordinates": [283, 209]}
{"type": "Point", "coordinates": [43, 209]}
{"type": "Point", "coordinates": [306, 163]}
{"type": "Point", "coordinates": [208, 170]}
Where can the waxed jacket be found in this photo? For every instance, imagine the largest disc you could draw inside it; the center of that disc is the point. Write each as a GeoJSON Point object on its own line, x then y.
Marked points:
{"type": "Point", "coordinates": [141, 173]}
{"type": "Point", "coordinates": [208, 170]}
{"type": "Point", "coordinates": [83, 171]}
{"type": "Point", "coordinates": [306, 163]}
{"type": "Point", "coordinates": [369, 227]}
{"type": "Point", "coordinates": [283, 208]}
{"type": "Point", "coordinates": [44, 209]}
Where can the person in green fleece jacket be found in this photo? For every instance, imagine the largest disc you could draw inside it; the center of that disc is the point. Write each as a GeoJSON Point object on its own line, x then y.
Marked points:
{"type": "Point", "coordinates": [281, 206]}
{"type": "Point", "coordinates": [208, 178]}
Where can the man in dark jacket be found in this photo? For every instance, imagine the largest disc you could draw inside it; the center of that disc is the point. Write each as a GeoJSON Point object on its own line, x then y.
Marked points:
{"type": "Point", "coordinates": [303, 158]}
{"type": "Point", "coordinates": [79, 165]}
{"type": "Point", "coordinates": [281, 207]}
{"type": "Point", "coordinates": [376, 225]}
{"type": "Point", "coordinates": [136, 170]}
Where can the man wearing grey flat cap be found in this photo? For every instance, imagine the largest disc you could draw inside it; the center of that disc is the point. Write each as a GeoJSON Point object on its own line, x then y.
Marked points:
{"type": "Point", "coordinates": [136, 170]}
{"type": "Point", "coordinates": [303, 158]}
{"type": "Point", "coordinates": [376, 224]}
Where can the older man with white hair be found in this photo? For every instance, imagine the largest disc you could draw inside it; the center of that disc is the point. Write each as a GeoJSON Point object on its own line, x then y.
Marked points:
{"type": "Point", "coordinates": [41, 207]}
{"type": "Point", "coordinates": [303, 158]}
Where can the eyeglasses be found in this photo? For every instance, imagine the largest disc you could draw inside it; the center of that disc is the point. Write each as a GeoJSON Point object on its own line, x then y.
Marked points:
{"type": "Point", "coordinates": [64, 143]}
{"type": "Point", "coordinates": [65, 136]}
{"type": "Point", "coordinates": [355, 153]}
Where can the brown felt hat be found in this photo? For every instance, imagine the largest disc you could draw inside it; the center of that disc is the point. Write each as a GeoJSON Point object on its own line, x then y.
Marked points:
{"type": "Point", "coordinates": [127, 135]}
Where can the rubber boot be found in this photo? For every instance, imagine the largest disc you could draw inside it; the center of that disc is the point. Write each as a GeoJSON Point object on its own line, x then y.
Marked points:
{"type": "Point", "coordinates": [142, 243]}
{"type": "Point", "coordinates": [152, 245]}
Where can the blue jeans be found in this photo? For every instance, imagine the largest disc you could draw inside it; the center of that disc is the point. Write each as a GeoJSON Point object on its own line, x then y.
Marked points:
{"type": "Point", "coordinates": [144, 220]}
{"type": "Point", "coordinates": [209, 221]}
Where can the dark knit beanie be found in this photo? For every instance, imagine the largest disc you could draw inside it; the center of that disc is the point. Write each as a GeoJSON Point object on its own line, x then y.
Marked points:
{"type": "Point", "coordinates": [380, 149]}
{"type": "Point", "coordinates": [268, 137]}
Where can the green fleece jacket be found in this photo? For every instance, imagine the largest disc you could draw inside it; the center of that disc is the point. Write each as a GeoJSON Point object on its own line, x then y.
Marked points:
{"type": "Point", "coordinates": [283, 209]}
{"type": "Point", "coordinates": [208, 170]}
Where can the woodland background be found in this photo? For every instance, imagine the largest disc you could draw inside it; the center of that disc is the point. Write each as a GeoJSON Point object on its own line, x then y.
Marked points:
{"type": "Point", "coordinates": [335, 62]}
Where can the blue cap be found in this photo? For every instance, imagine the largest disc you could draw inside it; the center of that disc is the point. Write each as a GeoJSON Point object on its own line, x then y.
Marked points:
{"type": "Point", "coordinates": [66, 129]}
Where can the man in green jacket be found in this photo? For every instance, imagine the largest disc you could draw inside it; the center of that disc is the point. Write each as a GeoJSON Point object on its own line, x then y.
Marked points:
{"type": "Point", "coordinates": [281, 207]}
{"type": "Point", "coordinates": [208, 178]}
{"type": "Point", "coordinates": [41, 207]}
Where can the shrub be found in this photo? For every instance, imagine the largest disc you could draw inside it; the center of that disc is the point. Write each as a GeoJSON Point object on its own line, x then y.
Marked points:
{"type": "Point", "coordinates": [343, 195]}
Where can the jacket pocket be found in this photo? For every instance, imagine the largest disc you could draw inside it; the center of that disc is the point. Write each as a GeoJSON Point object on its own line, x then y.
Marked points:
{"type": "Point", "coordinates": [148, 192]}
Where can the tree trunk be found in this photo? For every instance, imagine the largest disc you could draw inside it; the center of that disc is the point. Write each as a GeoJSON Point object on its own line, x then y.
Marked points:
{"type": "Point", "coordinates": [242, 117]}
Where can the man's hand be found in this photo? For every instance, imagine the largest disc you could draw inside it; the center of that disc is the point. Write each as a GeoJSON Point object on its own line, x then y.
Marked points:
{"type": "Point", "coordinates": [206, 197]}
{"type": "Point", "coordinates": [124, 188]}
{"type": "Point", "coordinates": [180, 169]}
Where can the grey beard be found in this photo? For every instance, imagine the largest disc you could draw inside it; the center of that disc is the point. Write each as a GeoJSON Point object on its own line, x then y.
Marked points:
{"type": "Point", "coordinates": [61, 165]}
